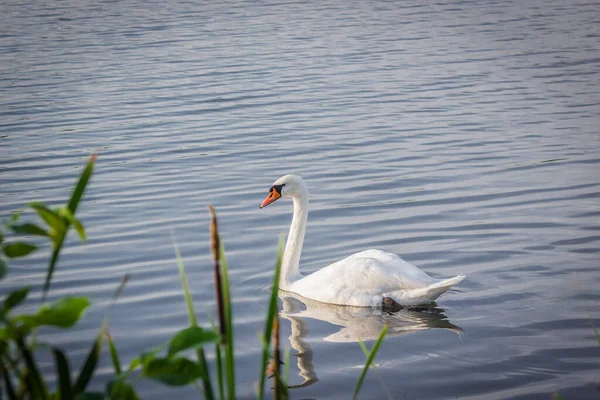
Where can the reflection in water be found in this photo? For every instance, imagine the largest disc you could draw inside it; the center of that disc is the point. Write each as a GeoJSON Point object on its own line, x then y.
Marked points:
{"type": "Point", "coordinates": [362, 323]}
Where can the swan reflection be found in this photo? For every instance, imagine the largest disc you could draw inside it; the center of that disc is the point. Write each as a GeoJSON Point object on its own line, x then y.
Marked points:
{"type": "Point", "coordinates": [355, 323]}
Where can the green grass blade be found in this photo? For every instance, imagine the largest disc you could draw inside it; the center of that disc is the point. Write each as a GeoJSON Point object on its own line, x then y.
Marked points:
{"type": "Point", "coordinates": [369, 361]}
{"type": "Point", "coordinates": [281, 392]}
{"type": "Point", "coordinates": [366, 352]}
{"type": "Point", "coordinates": [205, 376]}
{"type": "Point", "coordinates": [8, 386]}
{"type": "Point", "coordinates": [3, 268]}
{"type": "Point", "coordinates": [114, 355]}
{"type": "Point", "coordinates": [72, 206]}
{"type": "Point", "coordinates": [11, 365]}
{"type": "Point", "coordinates": [184, 285]}
{"type": "Point", "coordinates": [208, 391]}
{"type": "Point", "coordinates": [220, 371]}
{"type": "Point", "coordinates": [229, 347]}
{"type": "Point", "coordinates": [87, 370]}
{"type": "Point", "coordinates": [15, 298]}
{"type": "Point", "coordinates": [64, 375]}
{"type": "Point", "coordinates": [363, 347]}
{"type": "Point", "coordinates": [34, 379]}
{"type": "Point", "coordinates": [112, 349]}
{"type": "Point", "coordinates": [83, 181]}
{"type": "Point", "coordinates": [269, 322]}
{"type": "Point", "coordinates": [52, 266]}
{"type": "Point", "coordinates": [218, 361]}
{"type": "Point", "coordinates": [276, 359]}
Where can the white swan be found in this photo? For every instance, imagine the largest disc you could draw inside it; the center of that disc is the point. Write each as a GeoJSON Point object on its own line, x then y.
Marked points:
{"type": "Point", "coordinates": [365, 279]}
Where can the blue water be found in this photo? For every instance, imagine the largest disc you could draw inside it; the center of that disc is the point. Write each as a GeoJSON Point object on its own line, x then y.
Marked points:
{"type": "Point", "coordinates": [461, 135]}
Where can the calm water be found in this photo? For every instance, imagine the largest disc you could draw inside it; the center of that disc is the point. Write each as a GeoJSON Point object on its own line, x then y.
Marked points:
{"type": "Point", "coordinates": [461, 135]}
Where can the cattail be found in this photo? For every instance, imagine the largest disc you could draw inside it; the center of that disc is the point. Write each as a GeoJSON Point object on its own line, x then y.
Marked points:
{"type": "Point", "coordinates": [215, 246]}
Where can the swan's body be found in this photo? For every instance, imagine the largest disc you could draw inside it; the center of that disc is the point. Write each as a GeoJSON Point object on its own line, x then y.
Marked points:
{"type": "Point", "coordinates": [363, 279]}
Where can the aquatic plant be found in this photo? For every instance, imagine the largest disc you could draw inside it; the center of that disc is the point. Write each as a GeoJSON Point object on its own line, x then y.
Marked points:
{"type": "Point", "coordinates": [166, 363]}
{"type": "Point", "coordinates": [21, 376]}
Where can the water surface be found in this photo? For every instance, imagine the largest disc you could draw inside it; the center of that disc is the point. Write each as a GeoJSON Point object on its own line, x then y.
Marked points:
{"type": "Point", "coordinates": [461, 135]}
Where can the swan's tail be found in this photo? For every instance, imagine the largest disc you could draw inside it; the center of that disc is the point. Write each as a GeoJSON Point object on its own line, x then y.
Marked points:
{"type": "Point", "coordinates": [434, 291]}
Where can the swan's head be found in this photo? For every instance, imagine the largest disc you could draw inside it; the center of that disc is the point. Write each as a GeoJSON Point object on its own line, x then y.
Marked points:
{"type": "Point", "coordinates": [286, 186]}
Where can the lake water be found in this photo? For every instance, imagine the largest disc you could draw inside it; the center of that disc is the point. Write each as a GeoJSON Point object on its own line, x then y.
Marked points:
{"type": "Point", "coordinates": [462, 135]}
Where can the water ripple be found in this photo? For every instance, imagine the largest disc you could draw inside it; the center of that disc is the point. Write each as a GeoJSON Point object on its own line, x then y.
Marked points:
{"type": "Point", "coordinates": [461, 135]}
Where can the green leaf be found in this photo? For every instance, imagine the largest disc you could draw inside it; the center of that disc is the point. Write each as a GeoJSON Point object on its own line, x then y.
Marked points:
{"type": "Point", "coordinates": [51, 217]}
{"type": "Point", "coordinates": [18, 249]}
{"type": "Point", "coordinates": [64, 375]}
{"type": "Point", "coordinates": [81, 184]}
{"type": "Point", "coordinates": [118, 389]}
{"type": "Point", "coordinates": [29, 229]}
{"type": "Point", "coordinates": [144, 358]}
{"type": "Point", "coordinates": [136, 362]}
{"type": "Point", "coordinates": [193, 337]}
{"type": "Point", "coordinates": [65, 213]}
{"type": "Point", "coordinates": [3, 269]}
{"type": "Point", "coordinates": [87, 370]}
{"type": "Point", "coordinates": [15, 298]}
{"type": "Point", "coordinates": [64, 313]}
{"type": "Point", "coordinates": [15, 216]}
{"type": "Point", "coordinates": [172, 371]}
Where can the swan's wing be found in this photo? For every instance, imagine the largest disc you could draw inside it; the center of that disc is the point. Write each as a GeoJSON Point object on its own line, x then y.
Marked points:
{"type": "Point", "coordinates": [361, 279]}
{"type": "Point", "coordinates": [387, 266]}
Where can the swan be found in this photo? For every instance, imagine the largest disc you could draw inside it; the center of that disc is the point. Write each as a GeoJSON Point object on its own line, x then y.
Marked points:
{"type": "Point", "coordinates": [371, 278]}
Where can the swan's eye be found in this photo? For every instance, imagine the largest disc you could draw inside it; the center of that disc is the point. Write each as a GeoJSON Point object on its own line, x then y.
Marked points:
{"type": "Point", "coordinates": [277, 188]}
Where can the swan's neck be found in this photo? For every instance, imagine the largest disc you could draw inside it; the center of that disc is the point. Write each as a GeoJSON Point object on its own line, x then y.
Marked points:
{"type": "Point", "coordinates": [290, 265]}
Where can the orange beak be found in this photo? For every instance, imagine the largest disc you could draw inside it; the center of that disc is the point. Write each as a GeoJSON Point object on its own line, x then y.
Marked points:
{"type": "Point", "coordinates": [273, 195]}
